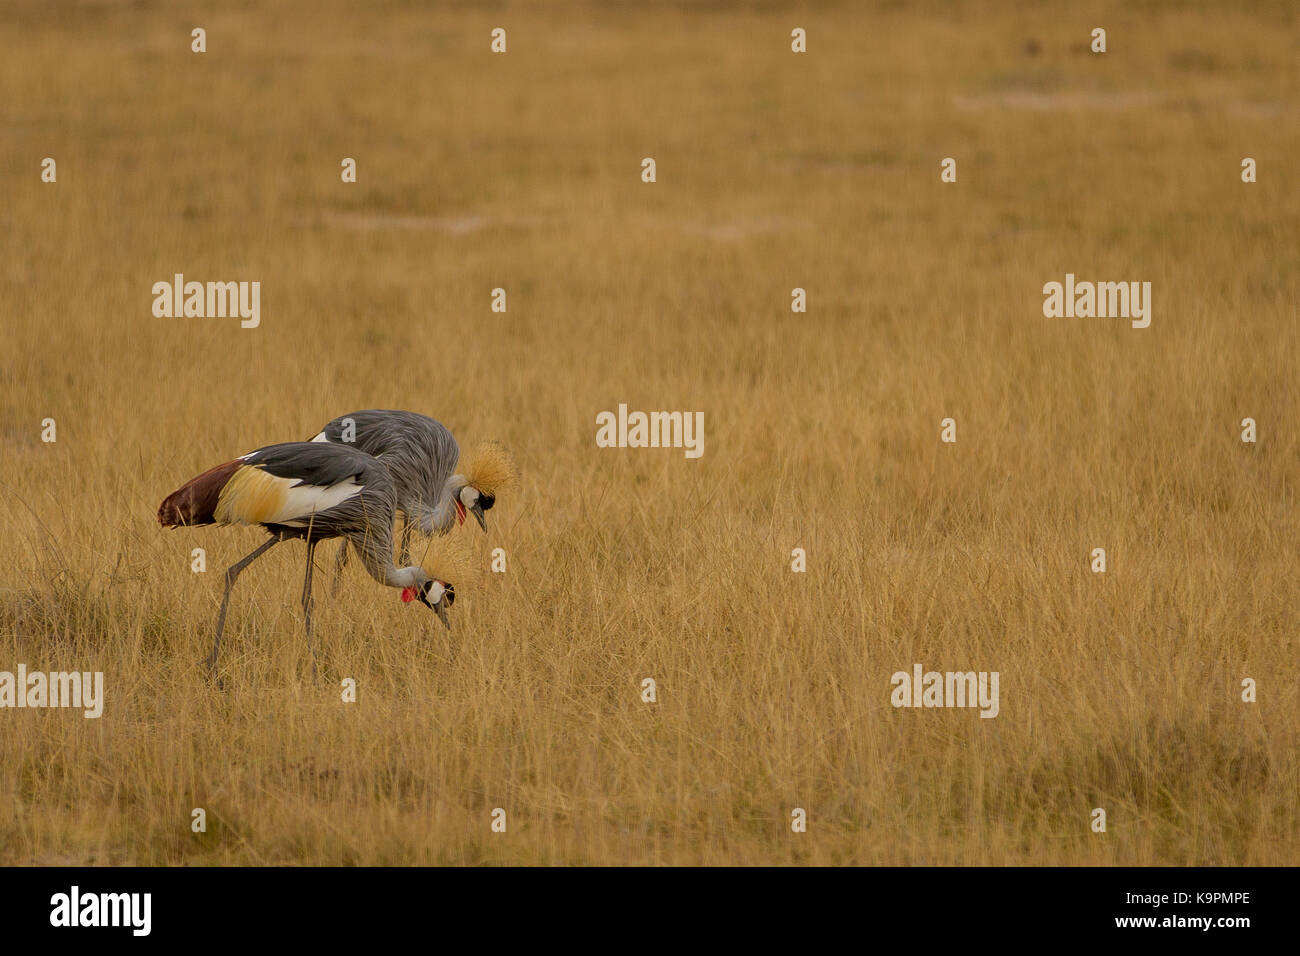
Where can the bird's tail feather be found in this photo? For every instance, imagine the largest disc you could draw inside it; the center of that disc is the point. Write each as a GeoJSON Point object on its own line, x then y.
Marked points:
{"type": "Point", "coordinates": [196, 500]}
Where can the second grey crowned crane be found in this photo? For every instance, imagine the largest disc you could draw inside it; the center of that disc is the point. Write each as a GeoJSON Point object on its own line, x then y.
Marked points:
{"type": "Point", "coordinates": [421, 456]}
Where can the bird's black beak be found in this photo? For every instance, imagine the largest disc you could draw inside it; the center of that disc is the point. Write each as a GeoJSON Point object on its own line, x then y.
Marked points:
{"type": "Point", "coordinates": [478, 514]}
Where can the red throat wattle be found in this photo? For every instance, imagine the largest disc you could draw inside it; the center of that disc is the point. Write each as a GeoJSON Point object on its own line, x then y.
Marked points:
{"type": "Point", "coordinates": [460, 512]}
{"type": "Point", "coordinates": [408, 595]}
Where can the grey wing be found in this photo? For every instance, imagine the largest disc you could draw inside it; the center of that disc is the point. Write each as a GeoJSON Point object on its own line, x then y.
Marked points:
{"type": "Point", "coordinates": [369, 430]}
{"type": "Point", "coordinates": [315, 472]}
{"type": "Point", "coordinates": [420, 452]}
{"type": "Point", "coordinates": [317, 463]}
{"type": "Point", "coordinates": [432, 456]}
{"type": "Point", "coordinates": [378, 430]}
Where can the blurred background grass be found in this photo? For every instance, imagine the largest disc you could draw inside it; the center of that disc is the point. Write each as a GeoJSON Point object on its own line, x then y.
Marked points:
{"type": "Point", "coordinates": [775, 170]}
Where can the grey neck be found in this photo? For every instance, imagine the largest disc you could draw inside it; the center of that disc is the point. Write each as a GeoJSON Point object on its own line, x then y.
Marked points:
{"type": "Point", "coordinates": [443, 517]}
{"type": "Point", "coordinates": [376, 551]}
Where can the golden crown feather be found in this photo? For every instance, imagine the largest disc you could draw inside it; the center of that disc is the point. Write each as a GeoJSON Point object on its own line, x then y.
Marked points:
{"type": "Point", "coordinates": [450, 559]}
{"type": "Point", "coordinates": [491, 468]}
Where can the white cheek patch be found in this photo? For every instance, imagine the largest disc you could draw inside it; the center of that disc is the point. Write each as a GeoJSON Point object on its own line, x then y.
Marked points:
{"type": "Point", "coordinates": [436, 591]}
{"type": "Point", "coordinates": [468, 496]}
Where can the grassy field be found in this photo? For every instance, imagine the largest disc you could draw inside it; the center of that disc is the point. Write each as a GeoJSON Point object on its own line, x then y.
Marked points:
{"type": "Point", "coordinates": [1119, 690]}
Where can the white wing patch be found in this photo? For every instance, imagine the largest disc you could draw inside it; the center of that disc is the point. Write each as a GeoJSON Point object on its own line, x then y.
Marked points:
{"type": "Point", "coordinates": [255, 496]}
{"type": "Point", "coordinates": [321, 437]}
{"type": "Point", "coordinates": [302, 502]}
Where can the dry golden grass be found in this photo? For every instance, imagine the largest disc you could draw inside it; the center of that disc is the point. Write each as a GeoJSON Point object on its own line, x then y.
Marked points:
{"type": "Point", "coordinates": [821, 430]}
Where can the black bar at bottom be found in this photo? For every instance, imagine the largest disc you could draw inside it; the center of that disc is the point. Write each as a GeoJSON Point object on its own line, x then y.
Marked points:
{"type": "Point", "coordinates": [621, 906]}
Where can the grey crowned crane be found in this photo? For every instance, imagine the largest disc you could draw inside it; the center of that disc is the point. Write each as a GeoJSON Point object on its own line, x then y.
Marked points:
{"type": "Point", "coordinates": [311, 491]}
{"type": "Point", "coordinates": [421, 455]}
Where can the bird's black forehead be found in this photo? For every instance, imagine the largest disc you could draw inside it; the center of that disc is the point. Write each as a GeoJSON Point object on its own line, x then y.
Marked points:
{"type": "Point", "coordinates": [486, 501]}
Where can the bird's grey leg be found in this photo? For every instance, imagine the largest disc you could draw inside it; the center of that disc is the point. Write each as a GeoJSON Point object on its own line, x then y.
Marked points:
{"type": "Point", "coordinates": [405, 556]}
{"type": "Point", "coordinates": [306, 602]}
{"type": "Point", "coordinates": [338, 568]}
{"type": "Point", "coordinates": [232, 573]}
